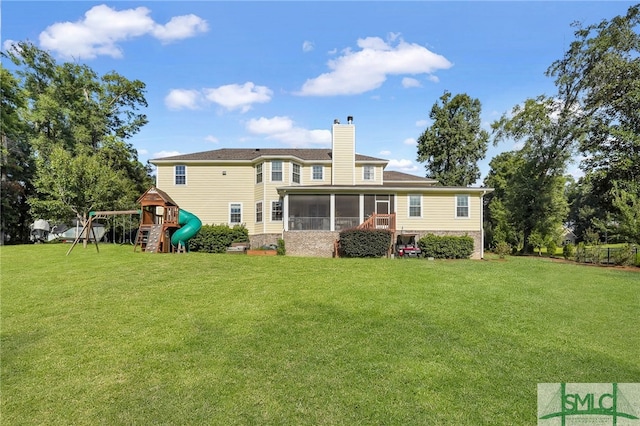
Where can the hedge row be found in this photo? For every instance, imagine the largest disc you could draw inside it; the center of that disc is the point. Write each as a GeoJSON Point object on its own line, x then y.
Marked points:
{"type": "Point", "coordinates": [446, 247]}
{"type": "Point", "coordinates": [216, 238]}
{"type": "Point", "coordinates": [365, 242]}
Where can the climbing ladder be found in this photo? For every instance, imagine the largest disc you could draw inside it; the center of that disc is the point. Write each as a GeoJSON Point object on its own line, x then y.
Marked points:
{"type": "Point", "coordinates": [149, 238]}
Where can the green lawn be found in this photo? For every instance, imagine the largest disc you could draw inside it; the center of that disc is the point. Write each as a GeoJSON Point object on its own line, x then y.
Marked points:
{"type": "Point", "coordinates": [118, 337]}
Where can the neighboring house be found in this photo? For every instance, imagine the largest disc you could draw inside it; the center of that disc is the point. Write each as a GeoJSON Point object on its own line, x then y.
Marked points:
{"type": "Point", "coordinates": [568, 236]}
{"type": "Point", "coordinates": [306, 196]}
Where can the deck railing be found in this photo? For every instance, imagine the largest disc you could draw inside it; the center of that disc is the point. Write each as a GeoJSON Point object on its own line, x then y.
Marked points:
{"type": "Point", "coordinates": [380, 221]}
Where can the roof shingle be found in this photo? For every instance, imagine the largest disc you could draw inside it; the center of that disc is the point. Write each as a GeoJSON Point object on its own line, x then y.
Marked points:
{"type": "Point", "coordinates": [250, 154]}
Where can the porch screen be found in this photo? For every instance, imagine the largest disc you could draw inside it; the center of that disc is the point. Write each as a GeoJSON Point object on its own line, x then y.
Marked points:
{"type": "Point", "coordinates": [347, 211]}
{"type": "Point", "coordinates": [309, 212]}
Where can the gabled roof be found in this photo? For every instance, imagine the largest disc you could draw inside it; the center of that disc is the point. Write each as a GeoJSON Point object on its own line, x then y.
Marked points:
{"type": "Point", "coordinates": [154, 194]}
{"type": "Point", "coordinates": [251, 154]}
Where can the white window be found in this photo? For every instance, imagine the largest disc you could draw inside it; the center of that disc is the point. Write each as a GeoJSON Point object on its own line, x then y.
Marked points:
{"type": "Point", "coordinates": [296, 173]}
{"type": "Point", "coordinates": [368, 173]}
{"type": "Point", "coordinates": [415, 206]}
{"type": "Point", "coordinates": [259, 173]}
{"type": "Point", "coordinates": [462, 206]}
{"type": "Point", "coordinates": [276, 171]}
{"type": "Point", "coordinates": [259, 212]}
{"type": "Point", "coordinates": [276, 211]}
{"type": "Point", "coordinates": [235, 213]}
{"type": "Point", "coordinates": [317, 172]}
{"type": "Point", "coordinates": [181, 175]}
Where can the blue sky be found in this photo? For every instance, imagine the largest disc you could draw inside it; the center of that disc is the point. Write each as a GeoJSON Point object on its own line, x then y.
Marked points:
{"type": "Point", "coordinates": [276, 74]}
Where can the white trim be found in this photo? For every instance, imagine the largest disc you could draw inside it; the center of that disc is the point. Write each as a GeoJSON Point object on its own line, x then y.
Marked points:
{"type": "Point", "coordinates": [373, 174]}
{"type": "Point", "coordinates": [256, 211]}
{"type": "Point", "coordinates": [321, 171]}
{"type": "Point", "coordinates": [241, 212]}
{"type": "Point", "coordinates": [175, 175]}
{"type": "Point", "coordinates": [271, 210]}
{"type": "Point", "coordinates": [262, 167]}
{"type": "Point", "coordinates": [271, 170]}
{"type": "Point", "coordinates": [409, 206]}
{"type": "Point", "coordinates": [293, 164]}
{"type": "Point", "coordinates": [285, 212]}
{"type": "Point", "coordinates": [455, 212]}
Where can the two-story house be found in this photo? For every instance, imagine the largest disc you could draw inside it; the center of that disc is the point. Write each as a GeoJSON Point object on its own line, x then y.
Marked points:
{"type": "Point", "coordinates": [307, 196]}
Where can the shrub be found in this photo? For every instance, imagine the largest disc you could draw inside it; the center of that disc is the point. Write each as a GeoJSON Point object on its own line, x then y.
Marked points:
{"type": "Point", "coordinates": [502, 249]}
{"type": "Point", "coordinates": [568, 251]}
{"type": "Point", "coordinates": [365, 242]}
{"type": "Point", "coordinates": [536, 241]}
{"type": "Point", "coordinates": [281, 249]}
{"type": "Point", "coordinates": [552, 246]}
{"type": "Point", "coordinates": [623, 255]}
{"type": "Point", "coordinates": [216, 238]}
{"type": "Point", "coordinates": [446, 247]}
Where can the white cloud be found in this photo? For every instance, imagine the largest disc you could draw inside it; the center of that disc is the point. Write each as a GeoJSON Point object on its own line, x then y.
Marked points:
{"type": "Point", "coordinates": [422, 123]}
{"type": "Point", "coordinates": [235, 96]}
{"type": "Point", "coordinates": [143, 152]}
{"type": "Point", "coordinates": [102, 28]}
{"type": "Point", "coordinates": [410, 82]}
{"type": "Point", "coordinates": [9, 46]}
{"type": "Point", "coordinates": [307, 46]}
{"type": "Point", "coordinates": [180, 27]}
{"type": "Point", "coordinates": [268, 126]}
{"type": "Point", "coordinates": [163, 154]}
{"type": "Point", "coordinates": [367, 69]}
{"type": "Point", "coordinates": [410, 141]}
{"type": "Point", "coordinates": [183, 99]}
{"type": "Point", "coordinates": [212, 139]}
{"type": "Point", "coordinates": [406, 166]}
{"type": "Point", "coordinates": [283, 129]}
{"type": "Point", "coordinates": [385, 152]}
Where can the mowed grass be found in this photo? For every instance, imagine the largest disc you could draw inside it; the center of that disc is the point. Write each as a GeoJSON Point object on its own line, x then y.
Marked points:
{"type": "Point", "coordinates": [118, 337]}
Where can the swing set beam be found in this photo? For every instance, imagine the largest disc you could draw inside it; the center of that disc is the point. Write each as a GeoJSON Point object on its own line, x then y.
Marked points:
{"type": "Point", "coordinates": [88, 226]}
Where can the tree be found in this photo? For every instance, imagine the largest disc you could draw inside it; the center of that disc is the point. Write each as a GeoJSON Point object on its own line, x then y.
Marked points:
{"type": "Point", "coordinates": [627, 204]}
{"type": "Point", "coordinates": [535, 193]}
{"type": "Point", "coordinates": [71, 185]}
{"type": "Point", "coordinates": [16, 163]}
{"type": "Point", "coordinates": [499, 219]}
{"type": "Point", "coordinates": [455, 142]}
{"type": "Point", "coordinates": [78, 125]}
{"type": "Point", "coordinates": [599, 76]}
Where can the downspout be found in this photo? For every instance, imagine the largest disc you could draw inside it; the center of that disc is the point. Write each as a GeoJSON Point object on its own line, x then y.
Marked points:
{"type": "Point", "coordinates": [482, 224]}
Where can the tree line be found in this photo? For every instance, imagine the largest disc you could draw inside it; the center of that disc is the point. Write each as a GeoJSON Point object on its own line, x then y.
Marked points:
{"type": "Point", "coordinates": [65, 150]}
{"type": "Point", "coordinates": [65, 147]}
{"type": "Point", "coordinates": [594, 115]}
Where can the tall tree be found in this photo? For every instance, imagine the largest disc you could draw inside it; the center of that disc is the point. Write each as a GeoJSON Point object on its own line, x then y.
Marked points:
{"type": "Point", "coordinates": [78, 117]}
{"type": "Point", "coordinates": [535, 195]}
{"type": "Point", "coordinates": [16, 163]}
{"type": "Point", "coordinates": [499, 218]}
{"type": "Point", "coordinates": [452, 146]}
{"type": "Point", "coordinates": [599, 76]}
{"type": "Point", "coordinates": [72, 185]}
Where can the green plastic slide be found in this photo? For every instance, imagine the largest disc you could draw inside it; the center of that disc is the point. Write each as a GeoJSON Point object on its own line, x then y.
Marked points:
{"type": "Point", "coordinates": [189, 227]}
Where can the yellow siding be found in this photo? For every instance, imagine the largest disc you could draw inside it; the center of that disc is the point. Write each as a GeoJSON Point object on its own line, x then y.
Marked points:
{"type": "Point", "coordinates": [378, 173]}
{"type": "Point", "coordinates": [343, 154]}
{"type": "Point", "coordinates": [208, 191]}
{"type": "Point", "coordinates": [271, 194]}
{"type": "Point", "coordinates": [307, 175]}
{"type": "Point", "coordinates": [439, 213]}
